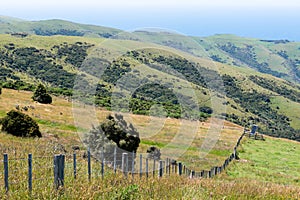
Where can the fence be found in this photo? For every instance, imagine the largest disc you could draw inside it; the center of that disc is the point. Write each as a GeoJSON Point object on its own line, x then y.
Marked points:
{"type": "Point", "coordinates": [145, 167]}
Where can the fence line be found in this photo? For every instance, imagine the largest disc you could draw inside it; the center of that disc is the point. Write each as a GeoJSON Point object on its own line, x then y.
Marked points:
{"type": "Point", "coordinates": [165, 167]}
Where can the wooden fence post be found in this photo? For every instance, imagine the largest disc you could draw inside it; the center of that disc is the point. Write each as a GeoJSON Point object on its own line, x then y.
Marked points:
{"type": "Point", "coordinates": [161, 168]}
{"type": "Point", "coordinates": [193, 173]}
{"type": "Point", "coordinates": [62, 169]}
{"type": "Point", "coordinates": [172, 168]}
{"type": "Point", "coordinates": [127, 164]}
{"type": "Point", "coordinates": [167, 165]}
{"type": "Point", "coordinates": [180, 168]}
{"type": "Point", "coordinates": [154, 167]}
{"type": "Point", "coordinates": [215, 170]}
{"type": "Point", "coordinates": [132, 165]}
{"type": "Point", "coordinates": [102, 162]}
{"type": "Point", "coordinates": [30, 172]}
{"type": "Point", "coordinates": [89, 164]}
{"type": "Point", "coordinates": [209, 174]}
{"type": "Point", "coordinates": [74, 165]}
{"type": "Point", "coordinates": [59, 167]}
{"type": "Point", "coordinates": [141, 165]}
{"type": "Point", "coordinates": [202, 174]}
{"type": "Point", "coordinates": [115, 160]}
{"type": "Point", "coordinates": [220, 169]}
{"type": "Point", "coordinates": [234, 153]}
{"type": "Point", "coordinates": [239, 140]}
{"type": "Point", "coordinates": [56, 163]}
{"type": "Point", "coordinates": [147, 169]}
{"type": "Point", "coordinates": [124, 161]}
{"type": "Point", "coordinates": [186, 171]}
{"type": "Point", "coordinates": [6, 172]}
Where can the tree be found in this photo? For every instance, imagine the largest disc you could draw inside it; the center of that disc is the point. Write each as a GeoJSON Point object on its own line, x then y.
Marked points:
{"type": "Point", "coordinates": [113, 132]}
{"type": "Point", "coordinates": [40, 95]}
{"type": "Point", "coordinates": [20, 124]}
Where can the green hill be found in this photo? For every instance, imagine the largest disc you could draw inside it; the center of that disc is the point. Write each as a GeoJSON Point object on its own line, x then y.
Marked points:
{"type": "Point", "coordinates": [175, 71]}
{"type": "Point", "coordinates": [276, 57]}
{"type": "Point", "coordinates": [279, 58]}
{"type": "Point", "coordinates": [54, 27]}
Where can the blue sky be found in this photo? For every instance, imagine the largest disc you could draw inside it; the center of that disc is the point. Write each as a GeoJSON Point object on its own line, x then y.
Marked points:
{"type": "Point", "coordinates": [264, 19]}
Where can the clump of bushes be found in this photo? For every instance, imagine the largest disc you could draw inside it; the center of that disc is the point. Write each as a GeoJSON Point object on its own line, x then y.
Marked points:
{"type": "Point", "coordinates": [20, 124]}
{"type": "Point", "coordinates": [111, 133]}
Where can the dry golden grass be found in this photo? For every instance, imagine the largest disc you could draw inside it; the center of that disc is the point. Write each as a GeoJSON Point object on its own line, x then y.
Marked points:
{"type": "Point", "coordinates": [57, 126]}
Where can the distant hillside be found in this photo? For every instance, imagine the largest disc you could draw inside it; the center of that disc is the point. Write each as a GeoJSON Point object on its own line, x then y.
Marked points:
{"type": "Point", "coordinates": [54, 27]}
{"type": "Point", "coordinates": [279, 58]}
{"type": "Point", "coordinates": [251, 97]}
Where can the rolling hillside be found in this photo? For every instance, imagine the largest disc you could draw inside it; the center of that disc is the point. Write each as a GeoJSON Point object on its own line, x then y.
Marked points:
{"type": "Point", "coordinates": [279, 58]}
{"type": "Point", "coordinates": [180, 93]}
{"type": "Point", "coordinates": [150, 75]}
{"type": "Point", "coordinates": [53, 27]}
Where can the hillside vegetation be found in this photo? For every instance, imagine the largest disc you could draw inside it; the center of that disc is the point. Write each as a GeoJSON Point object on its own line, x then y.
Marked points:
{"type": "Point", "coordinates": [279, 58]}
{"type": "Point", "coordinates": [153, 76]}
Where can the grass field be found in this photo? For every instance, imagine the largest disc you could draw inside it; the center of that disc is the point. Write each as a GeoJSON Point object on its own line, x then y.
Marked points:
{"type": "Point", "coordinates": [266, 170]}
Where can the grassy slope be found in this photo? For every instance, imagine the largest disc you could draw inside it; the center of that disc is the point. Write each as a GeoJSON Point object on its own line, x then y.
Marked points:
{"type": "Point", "coordinates": [206, 47]}
{"type": "Point", "coordinates": [241, 73]}
{"type": "Point", "coordinates": [267, 169]}
{"type": "Point", "coordinates": [203, 47]}
{"type": "Point", "coordinates": [57, 120]}
{"type": "Point", "coordinates": [114, 47]}
{"type": "Point", "coordinates": [290, 110]}
{"type": "Point", "coordinates": [272, 160]}
{"type": "Point", "coordinates": [11, 25]}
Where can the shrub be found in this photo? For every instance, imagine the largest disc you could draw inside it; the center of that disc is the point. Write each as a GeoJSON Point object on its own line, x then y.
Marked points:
{"type": "Point", "coordinates": [20, 124]}
{"type": "Point", "coordinates": [206, 109]}
{"type": "Point", "coordinates": [40, 95]}
{"type": "Point", "coordinates": [113, 132]}
{"type": "Point", "coordinates": [153, 153]}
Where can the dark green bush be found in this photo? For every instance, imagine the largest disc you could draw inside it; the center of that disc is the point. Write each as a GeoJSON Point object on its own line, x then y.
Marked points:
{"type": "Point", "coordinates": [40, 95]}
{"type": "Point", "coordinates": [20, 124]}
{"type": "Point", "coordinates": [113, 132]}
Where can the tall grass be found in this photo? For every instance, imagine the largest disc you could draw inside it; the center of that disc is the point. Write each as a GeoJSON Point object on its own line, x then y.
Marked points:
{"type": "Point", "coordinates": [267, 169]}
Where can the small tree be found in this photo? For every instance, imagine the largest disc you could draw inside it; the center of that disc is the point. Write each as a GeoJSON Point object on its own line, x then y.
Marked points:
{"type": "Point", "coordinates": [113, 132]}
{"type": "Point", "coordinates": [40, 95]}
{"type": "Point", "coordinates": [20, 124]}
